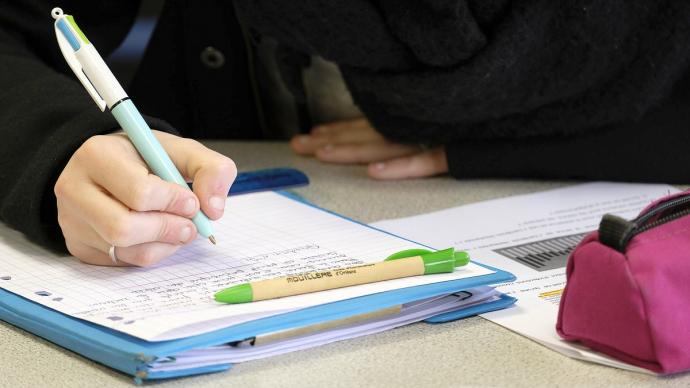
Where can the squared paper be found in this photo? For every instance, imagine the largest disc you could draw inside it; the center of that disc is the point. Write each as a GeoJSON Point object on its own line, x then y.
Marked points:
{"type": "Point", "coordinates": [262, 235]}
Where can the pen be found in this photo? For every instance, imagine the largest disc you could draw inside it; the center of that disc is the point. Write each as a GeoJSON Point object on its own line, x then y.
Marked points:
{"type": "Point", "coordinates": [282, 335]}
{"type": "Point", "coordinates": [402, 264]}
{"type": "Point", "coordinates": [100, 83]}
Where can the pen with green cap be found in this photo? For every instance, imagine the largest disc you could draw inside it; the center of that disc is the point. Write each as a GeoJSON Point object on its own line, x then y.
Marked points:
{"type": "Point", "coordinates": [100, 83]}
{"type": "Point", "coordinates": [412, 262]}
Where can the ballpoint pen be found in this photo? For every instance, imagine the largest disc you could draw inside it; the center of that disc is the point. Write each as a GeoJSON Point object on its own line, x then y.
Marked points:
{"type": "Point", "coordinates": [102, 86]}
{"type": "Point", "coordinates": [411, 262]}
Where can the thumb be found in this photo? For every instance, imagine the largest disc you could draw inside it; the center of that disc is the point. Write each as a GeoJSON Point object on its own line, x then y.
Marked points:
{"type": "Point", "coordinates": [212, 173]}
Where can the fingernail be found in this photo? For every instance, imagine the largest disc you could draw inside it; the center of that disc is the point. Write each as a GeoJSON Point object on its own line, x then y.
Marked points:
{"type": "Point", "coordinates": [327, 148]}
{"type": "Point", "coordinates": [189, 206]}
{"type": "Point", "coordinates": [379, 166]}
{"type": "Point", "coordinates": [185, 234]}
{"type": "Point", "coordinates": [303, 139]}
{"type": "Point", "coordinates": [217, 202]}
{"type": "Point", "coordinates": [319, 129]}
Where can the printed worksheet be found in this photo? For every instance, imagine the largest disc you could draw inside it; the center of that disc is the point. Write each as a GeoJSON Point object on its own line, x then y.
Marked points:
{"type": "Point", "coordinates": [531, 236]}
{"type": "Point", "coordinates": [261, 236]}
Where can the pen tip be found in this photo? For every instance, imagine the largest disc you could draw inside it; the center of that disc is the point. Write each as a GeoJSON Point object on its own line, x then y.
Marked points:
{"type": "Point", "coordinates": [212, 240]}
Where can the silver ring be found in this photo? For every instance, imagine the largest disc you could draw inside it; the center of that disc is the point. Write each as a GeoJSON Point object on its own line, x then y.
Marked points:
{"type": "Point", "coordinates": [111, 253]}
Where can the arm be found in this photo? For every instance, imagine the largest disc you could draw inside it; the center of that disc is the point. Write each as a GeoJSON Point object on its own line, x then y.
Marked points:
{"type": "Point", "coordinates": [104, 194]}
{"type": "Point", "coordinates": [519, 69]}
{"type": "Point", "coordinates": [46, 115]}
{"type": "Point", "coordinates": [481, 72]}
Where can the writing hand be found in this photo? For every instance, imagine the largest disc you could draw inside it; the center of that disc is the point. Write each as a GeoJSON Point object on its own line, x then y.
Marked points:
{"type": "Point", "coordinates": [357, 142]}
{"type": "Point", "coordinates": [106, 196]}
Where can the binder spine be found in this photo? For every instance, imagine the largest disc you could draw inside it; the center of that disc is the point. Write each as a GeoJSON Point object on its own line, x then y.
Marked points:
{"type": "Point", "coordinates": [91, 342]}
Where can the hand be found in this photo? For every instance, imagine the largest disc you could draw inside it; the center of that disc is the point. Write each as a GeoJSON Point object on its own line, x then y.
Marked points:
{"type": "Point", "coordinates": [106, 197]}
{"type": "Point", "coordinates": [357, 142]}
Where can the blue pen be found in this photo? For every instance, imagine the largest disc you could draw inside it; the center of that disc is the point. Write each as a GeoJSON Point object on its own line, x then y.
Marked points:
{"type": "Point", "coordinates": [102, 86]}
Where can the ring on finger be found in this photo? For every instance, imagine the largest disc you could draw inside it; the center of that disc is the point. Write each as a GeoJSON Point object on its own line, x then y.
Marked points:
{"type": "Point", "coordinates": [111, 253]}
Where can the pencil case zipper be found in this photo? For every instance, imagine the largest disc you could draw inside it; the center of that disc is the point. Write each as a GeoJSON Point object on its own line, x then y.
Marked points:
{"type": "Point", "coordinates": [616, 232]}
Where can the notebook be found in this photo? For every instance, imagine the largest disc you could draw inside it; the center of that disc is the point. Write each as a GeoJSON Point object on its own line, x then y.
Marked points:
{"type": "Point", "coordinates": [162, 321]}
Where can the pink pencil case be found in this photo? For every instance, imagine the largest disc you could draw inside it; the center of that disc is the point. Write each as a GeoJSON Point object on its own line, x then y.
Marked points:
{"type": "Point", "coordinates": [628, 289]}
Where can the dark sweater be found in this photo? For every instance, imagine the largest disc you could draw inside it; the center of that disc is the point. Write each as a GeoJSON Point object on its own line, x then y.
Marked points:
{"type": "Point", "coordinates": [543, 89]}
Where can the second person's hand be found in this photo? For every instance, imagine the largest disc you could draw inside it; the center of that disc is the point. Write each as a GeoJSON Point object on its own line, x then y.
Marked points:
{"type": "Point", "coordinates": [106, 196]}
{"type": "Point", "coordinates": [357, 142]}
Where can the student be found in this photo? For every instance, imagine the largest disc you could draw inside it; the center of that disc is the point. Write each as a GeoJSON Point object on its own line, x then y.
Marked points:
{"type": "Point", "coordinates": [570, 89]}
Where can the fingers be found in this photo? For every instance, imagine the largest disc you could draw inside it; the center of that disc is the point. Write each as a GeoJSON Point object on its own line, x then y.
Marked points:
{"type": "Point", "coordinates": [419, 165]}
{"type": "Point", "coordinates": [356, 141]}
{"type": "Point", "coordinates": [106, 197]}
{"type": "Point", "coordinates": [364, 153]}
{"type": "Point", "coordinates": [145, 255]}
{"type": "Point", "coordinates": [211, 185]}
{"type": "Point", "coordinates": [355, 131]}
{"type": "Point", "coordinates": [136, 188]}
{"type": "Point", "coordinates": [211, 172]}
{"type": "Point", "coordinates": [117, 225]}
{"type": "Point", "coordinates": [349, 141]}
{"type": "Point", "coordinates": [129, 180]}
{"type": "Point", "coordinates": [91, 255]}
{"type": "Point", "coordinates": [307, 144]}
{"type": "Point", "coordinates": [86, 244]}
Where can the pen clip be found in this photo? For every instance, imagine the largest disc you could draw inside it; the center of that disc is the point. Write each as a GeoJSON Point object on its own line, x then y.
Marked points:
{"type": "Point", "coordinates": [74, 64]}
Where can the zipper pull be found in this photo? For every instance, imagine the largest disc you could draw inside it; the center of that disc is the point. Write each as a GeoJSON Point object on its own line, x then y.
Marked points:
{"type": "Point", "coordinates": [615, 231]}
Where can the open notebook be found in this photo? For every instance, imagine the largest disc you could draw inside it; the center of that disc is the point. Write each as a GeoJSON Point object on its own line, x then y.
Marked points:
{"type": "Point", "coordinates": [262, 235]}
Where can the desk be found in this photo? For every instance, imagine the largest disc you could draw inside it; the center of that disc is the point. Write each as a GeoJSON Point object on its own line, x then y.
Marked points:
{"type": "Point", "coordinates": [467, 352]}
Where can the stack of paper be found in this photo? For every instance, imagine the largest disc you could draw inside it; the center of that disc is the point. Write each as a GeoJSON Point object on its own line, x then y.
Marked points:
{"type": "Point", "coordinates": [396, 316]}
{"type": "Point", "coordinates": [262, 236]}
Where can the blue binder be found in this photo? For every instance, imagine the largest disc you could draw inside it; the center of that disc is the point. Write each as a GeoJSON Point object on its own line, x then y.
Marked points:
{"type": "Point", "coordinates": [134, 356]}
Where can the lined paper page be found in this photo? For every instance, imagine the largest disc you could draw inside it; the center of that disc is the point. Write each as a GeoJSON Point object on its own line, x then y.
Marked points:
{"type": "Point", "coordinates": [261, 236]}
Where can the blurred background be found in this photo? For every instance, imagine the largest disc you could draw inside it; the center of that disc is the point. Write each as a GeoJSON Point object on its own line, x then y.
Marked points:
{"type": "Point", "coordinates": [125, 59]}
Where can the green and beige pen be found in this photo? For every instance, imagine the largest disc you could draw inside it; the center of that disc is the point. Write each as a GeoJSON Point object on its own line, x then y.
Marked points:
{"type": "Point", "coordinates": [100, 83]}
{"type": "Point", "coordinates": [412, 262]}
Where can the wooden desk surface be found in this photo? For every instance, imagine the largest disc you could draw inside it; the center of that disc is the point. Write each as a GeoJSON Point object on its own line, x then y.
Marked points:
{"type": "Point", "coordinates": [470, 352]}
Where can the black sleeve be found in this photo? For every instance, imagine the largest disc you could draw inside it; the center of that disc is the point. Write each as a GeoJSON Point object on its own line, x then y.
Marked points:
{"type": "Point", "coordinates": [45, 112]}
{"type": "Point", "coordinates": [652, 149]}
{"type": "Point", "coordinates": [485, 72]}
